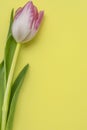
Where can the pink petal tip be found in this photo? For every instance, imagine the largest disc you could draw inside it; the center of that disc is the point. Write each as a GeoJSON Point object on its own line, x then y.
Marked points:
{"type": "Point", "coordinates": [40, 17]}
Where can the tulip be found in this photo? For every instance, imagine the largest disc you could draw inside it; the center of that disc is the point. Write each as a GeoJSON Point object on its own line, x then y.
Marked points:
{"type": "Point", "coordinates": [26, 23]}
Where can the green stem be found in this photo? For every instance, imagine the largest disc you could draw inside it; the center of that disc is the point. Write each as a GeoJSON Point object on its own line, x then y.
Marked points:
{"type": "Point", "coordinates": [8, 89]}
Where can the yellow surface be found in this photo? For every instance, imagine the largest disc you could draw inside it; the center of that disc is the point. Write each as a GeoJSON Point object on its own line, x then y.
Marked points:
{"type": "Point", "coordinates": [54, 93]}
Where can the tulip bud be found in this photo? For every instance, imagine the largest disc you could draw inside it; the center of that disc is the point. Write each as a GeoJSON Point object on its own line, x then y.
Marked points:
{"type": "Point", "coordinates": [26, 23]}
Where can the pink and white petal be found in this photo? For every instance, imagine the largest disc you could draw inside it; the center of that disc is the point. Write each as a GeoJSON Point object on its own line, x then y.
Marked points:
{"type": "Point", "coordinates": [34, 29]}
{"type": "Point", "coordinates": [38, 21]}
{"type": "Point", "coordinates": [18, 12]}
{"type": "Point", "coordinates": [28, 5]}
{"type": "Point", "coordinates": [20, 28]}
{"type": "Point", "coordinates": [28, 8]}
{"type": "Point", "coordinates": [35, 13]}
{"type": "Point", "coordinates": [30, 35]}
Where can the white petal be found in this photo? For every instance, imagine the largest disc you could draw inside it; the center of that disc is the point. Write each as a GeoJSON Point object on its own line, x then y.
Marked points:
{"type": "Point", "coordinates": [21, 26]}
{"type": "Point", "coordinates": [30, 35]}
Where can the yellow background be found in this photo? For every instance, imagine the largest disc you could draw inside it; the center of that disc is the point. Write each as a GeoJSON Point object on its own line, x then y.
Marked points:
{"type": "Point", "coordinates": [54, 93]}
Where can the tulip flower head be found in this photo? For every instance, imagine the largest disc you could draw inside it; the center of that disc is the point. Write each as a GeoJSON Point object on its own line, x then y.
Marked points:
{"type": "Point", "coordinates": [26, 22]}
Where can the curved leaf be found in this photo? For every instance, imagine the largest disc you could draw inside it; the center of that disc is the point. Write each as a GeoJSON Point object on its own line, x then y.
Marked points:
{"type": "Point", "coordinates": [11, 20]}
{"type": "Point", "coordinates": [9, 52]}
{"type": "Point", "coordinates": [14, 95]}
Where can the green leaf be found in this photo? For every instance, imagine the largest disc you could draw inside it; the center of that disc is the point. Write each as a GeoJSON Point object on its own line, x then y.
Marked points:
{"type": "Point", "coordinates": [1, 88]}
{"type": "Point", "coordinates": [8, 55]}
{"type": "Point", "coordinates": [9, 52]}
{"type": "Point", "coordinates": [14, 95]}
{"type": "Point", "coordinates": [11, 20]}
